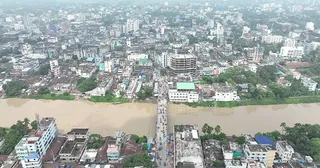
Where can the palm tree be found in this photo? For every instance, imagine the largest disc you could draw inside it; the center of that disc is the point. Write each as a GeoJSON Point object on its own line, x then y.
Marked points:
{"type": "Point", "coordinates": [217, 129]}
{"type": "Point", "coordinates": [26, 121]}
{"type": "Point", "coordinates": [283, 125]}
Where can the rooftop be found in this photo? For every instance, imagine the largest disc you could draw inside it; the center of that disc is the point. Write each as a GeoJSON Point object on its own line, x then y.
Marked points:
{"type": "Point", "coordinates": [79, 131]}
{"type": "Point", "coordinates": [185, 86]}
{"type": "Point", "coordinates": [257, 148]}
{"type": "Point", "coordinates": [54, 148]}
{"type": "Point", "coordinates": [46, 121]}
{"type": "Point", "coordinates": [264, 140]}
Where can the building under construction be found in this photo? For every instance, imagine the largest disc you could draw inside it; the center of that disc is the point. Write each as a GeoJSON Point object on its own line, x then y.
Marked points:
{"type": "Point", "coordinates": [183, 63]}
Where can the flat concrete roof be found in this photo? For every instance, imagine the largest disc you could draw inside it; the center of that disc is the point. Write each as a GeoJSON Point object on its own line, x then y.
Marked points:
{"type": "Point", "coordinates": [185, 86]}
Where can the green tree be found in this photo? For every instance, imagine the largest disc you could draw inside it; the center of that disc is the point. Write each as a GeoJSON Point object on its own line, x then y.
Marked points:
{"type": "Point", "coordinates": [95, 141]}
{"type": "Point", "coordinates": [43, 90]}
{"type": "Point", "coordinates": [86, 84]}
{"type": "Point", "coordinates": [34, 125]}
{"type": "Point", "coordinates": [241, 140]}
{"type": "Point", "coordinates": [145, 146]}
{"type": "Point", "coordinates": [217, 129]}
{"type": "Point", "coordinates": [209, 130]}
{"type": "Point", "coordinates": [26, 122]}
{"type": "Point", "coordinates": [140, 159]}
{"type": "Point", "coordinates": [205, 128]}
{"type": "Point", "coordinates": [44, 69]}
{"type": "Point", "coordinates": [142, 139]}
{"type": "Point", "coordinates": [135, 137]}
{"type": "Point", "coordinates": [217, 163]}
{"type": "Point", "coordinates": [283, 126]}
{"type": "Point", "coordinates": [14, 88]}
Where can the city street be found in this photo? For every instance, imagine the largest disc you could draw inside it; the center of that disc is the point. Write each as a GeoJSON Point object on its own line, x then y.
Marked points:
{"type": "Point", "coordinates": [161, 124]}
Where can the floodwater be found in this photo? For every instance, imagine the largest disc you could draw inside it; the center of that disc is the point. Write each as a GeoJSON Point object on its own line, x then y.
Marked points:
{"type": "Point", "coordinates": [139, 118]}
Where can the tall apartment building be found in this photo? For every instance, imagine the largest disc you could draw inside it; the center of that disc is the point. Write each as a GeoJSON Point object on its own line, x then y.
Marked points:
{"type": "Point", "coordinates": [291, 53]}
{"type": "Point", "coordinates": [271, 39]}
{"type": "Point", "coordinates": [290, 42]}
{"type": "Point", "coordinates": [254, 54]}
{"type": "Point", "coordinates": [183, 63]}
{"type": "Point", "coordinates": [163, 59]}
{"type": "Point", "coordinates": [132, 25]}
{"type": "Point", "coordinates": [34, 146]}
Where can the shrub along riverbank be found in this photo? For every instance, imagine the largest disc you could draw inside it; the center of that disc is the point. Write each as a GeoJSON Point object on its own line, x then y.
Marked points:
{"type": "Point", "coordinates": [296, 100]}
{"type": "Point", "coordinates": [106, 99]}
{"type": "Point", "coordinates": [52, 96]}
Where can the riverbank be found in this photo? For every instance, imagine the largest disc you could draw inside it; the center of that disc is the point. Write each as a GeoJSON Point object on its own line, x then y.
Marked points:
{"type": "Point", "coordinates": [50, 97]}
{"type": "Point", "coordinates": [230, 104]}
{"type": "Point", "coordinates": [105, 99]}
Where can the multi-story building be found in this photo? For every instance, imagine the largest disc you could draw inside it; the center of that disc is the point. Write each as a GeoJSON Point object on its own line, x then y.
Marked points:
{"type": "Point", "coordinates": [225, 92]}
{"type": "Point", "coordinates": [271, 39]}
{"type": "Point", "coordinates": [183, 63]}
{"type": "Point", "coordinates": [75, 145]}
{"type": "Point", "coordinates": [26, 49]}
{"type": "Point", "coordinates": [187, 147]}
{"type": "Point", "coordinates": [113, 151]}
{"type": "Point", "coordinates": [183, 92]}
{"type": "Point", "coordinates": [54, 67]}
{"type": "Point", "coordinates": [290, 42]}
{"type": "Point", "coordinates": [309, 83]}
{"type": "Point", "coordinates": [34, 146]}
{"type": "Point", "coordinates": [264, 153]}
{"type": "Point", "coordinates": [219, 29]}
{"type": "Point", "coordinates": [136, 57]}
{"type": "Point", "coordinates": [86, 70]}
{"type": "Point", "coordinates": [132, 25]}
{"type": "Point", "coordinates": [311, 46]}
{"type": "Point", "coordinates": [310, 26]}
{"type": "Point", "coordinates": [254, 54]}
{"type": "Point", "coordinates": [291, 53]}
{"type": "Point", "coordinates": [285, 151]}
{"type": "Point", "coordinates": [163, 59]}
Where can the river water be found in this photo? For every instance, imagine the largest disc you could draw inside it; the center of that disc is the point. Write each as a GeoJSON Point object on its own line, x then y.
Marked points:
{"type": "Point", "coordinates": [139, 118]}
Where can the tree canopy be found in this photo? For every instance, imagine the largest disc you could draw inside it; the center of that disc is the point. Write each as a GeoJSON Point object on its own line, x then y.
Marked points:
{"type": "Point", "coordinates": [14, 88]}
{"type": "Point", "coordinates": [306, 139]}
{"type": "Point", "coordinates": [84, 85]}
{"type": "Point", "coordinates": [13, 135]}
{"type": "Point", "coordinates": [96, 141]}
{"type": "Point", "coordinates": [144, 93]}
{"type": "Point", "coordinates": [140, 159]}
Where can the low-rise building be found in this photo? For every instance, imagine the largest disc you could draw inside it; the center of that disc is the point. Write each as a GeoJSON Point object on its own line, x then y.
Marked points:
{"type": "Point", "coordinates": [187, 147]}
{"type": "Point", "coordinates": [284, 150]}
{"type": "Point", "coordinates": [225, 92]}
{"type": "Point", "coordinates": [183, 92]}
{"type": "Point", "coordinates": [309, 83]}
{"type": "Point", "coordinates": [113, 151]}
{"type": "Point", "coordinates": [264, 153]}
{"type": "Point", "coordinates": [75, 145]}
{"type": "Point", "coordinates": [104, 84]}
{"type": "Point", "coordinates": [86, 70]}
{"type": "Point", "coordinates": [236, 163]}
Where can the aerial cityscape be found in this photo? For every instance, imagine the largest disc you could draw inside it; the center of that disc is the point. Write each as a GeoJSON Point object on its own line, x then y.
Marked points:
{"type": "Point", "coordinates": [157, 84]}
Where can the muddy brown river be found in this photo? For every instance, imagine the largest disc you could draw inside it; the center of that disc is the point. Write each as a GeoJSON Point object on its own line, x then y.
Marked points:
{"type": "Point", "coordinates": [139, 118]}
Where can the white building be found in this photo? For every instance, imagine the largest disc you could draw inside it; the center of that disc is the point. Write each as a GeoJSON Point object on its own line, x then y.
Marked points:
{"type": "Point", "coordinates": [26, 49]}
{"type": "Point", "coordinates": [86, 70]}
{"type": "Point", "coordinates": [136, 57]}
{"type": "Point", "coordinates": [219, 29]}
{"type": "Point", "coordinates": [54, 67]}
{"type": "Point", "coordinates": [309, 83]}
{"type": "Point", "coordinates": [254, 54]}
{"type": "Point", "coordinates": [311, 46]}
{"type": "Point", "coordinates": [34, 146]}
{"type": "Point", "coordinates": [289, 42]}
{"type": "Point", "coordinates": [132, 25]}
{"type": "Point", "coordinates": [285, 151]}
{"type": "Point", "coordinates": [52, 39]}
{"type": "Point", "coordinates": [183, 92]}
{"type": "Point", "coordinates": [225, 92]}
{"type": "Point", "coordinates": [263, 153]}
{"type": "Point", "coordinates": [236, 163]}
{"type": "Point", "coordinates": [163, 59]}
{"type": "Point", "coordinates": [210, 24]}
{"type": "Point", "coordinates": [291, 53]}
{"type": "Point", "coordinates": [271, 39]}
{"type": "Point", "coordinates": [108, 65]}
{"type": "Point", "coordinates": [310, 26]}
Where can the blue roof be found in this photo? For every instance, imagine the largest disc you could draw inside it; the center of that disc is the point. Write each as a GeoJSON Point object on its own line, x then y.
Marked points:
{"type": "Point", "coordinates": [33, 156]}
{"type": "Point", "coordinates": [90, 59]}
{"type": "Point", "coordinates": [264, 140]}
